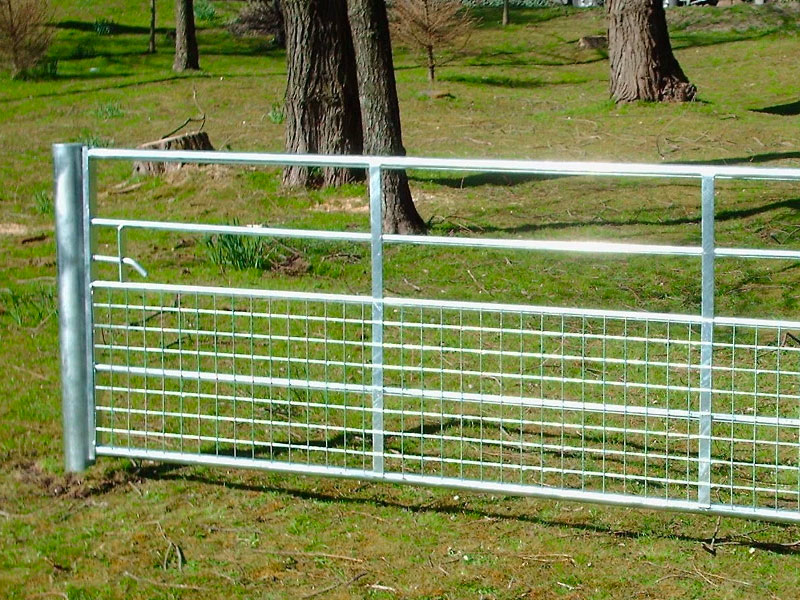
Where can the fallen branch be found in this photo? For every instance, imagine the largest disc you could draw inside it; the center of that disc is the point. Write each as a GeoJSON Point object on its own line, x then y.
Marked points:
{"type": "Point", "coordinates": [313, 555]}
{"type": "Point", "coordinates": [333, 586]}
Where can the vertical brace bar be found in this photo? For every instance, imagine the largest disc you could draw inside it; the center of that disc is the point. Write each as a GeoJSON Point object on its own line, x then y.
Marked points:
{"type": "Point", "coordinates": [121, 252]}
{"type": "Point", "coordinates": [706, 340]}
{"type": "Point", "coordinates": [376, 227]}
{"type": "Point", "coordinates": [69, 209]}
{"type": "Point", "coordinates": [89, 250]}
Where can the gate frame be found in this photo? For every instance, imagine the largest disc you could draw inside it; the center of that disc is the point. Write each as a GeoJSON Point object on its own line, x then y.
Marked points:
{"type": "Point", "coordinates": [76, 244]}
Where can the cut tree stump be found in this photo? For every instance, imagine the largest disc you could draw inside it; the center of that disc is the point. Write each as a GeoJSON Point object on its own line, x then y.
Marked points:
{"type": "Point", "coordinates": [187, 141]}
{"type": "Point", "coordinates": [593, 42]}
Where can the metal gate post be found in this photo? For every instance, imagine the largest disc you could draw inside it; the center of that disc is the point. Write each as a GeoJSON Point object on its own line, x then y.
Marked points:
{"type": "Point", "coordinates": [72, 301]}
{"type": "Point", "coordinates": [706, 340]}
{"type": "Point", "coordinates": [376, 227]}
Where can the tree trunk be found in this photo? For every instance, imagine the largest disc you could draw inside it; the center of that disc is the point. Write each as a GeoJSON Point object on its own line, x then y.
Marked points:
{"type": "Point", "coordinates": [322, 107]}
{"type": "Point", "coordinates": [280, 27]}
{"type": "Point", "coordinates": [151, 48]}
{"type": "Point", "coordinates": [505, 13]}
{"type": "Point", "coordinates": [186, 55]}
{"type": "Point", "coordinates": [431, 60]}
{"type": "Point", "coordinates": [642, 64]}
{"type": "Point", "coordinates": [380, 110]}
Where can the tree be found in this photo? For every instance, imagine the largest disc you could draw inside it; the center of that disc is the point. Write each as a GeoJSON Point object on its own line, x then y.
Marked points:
{"type": "Point", "coordinates": [505, 13]}
{"type": "Point", "coordinates": [323, 113]}
{"type": "Point", "coordinates": [380, 112]}
{"type": "Point", "coordinates": [261, 17]}
{"type": "Point", "coordinates": [430, 26]}
{"type": "Point", "coordinates": [151, 47]}
{"type": "Point", "coordinates": [186, 54]}
{"type": "Point", "coordinates": [643, 66]}
{"type": "Point", "coordinates": [24, 34]}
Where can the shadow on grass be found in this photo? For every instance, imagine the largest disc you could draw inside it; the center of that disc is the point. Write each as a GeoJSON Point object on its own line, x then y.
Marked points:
{"type": "Point", "coordinates": [117, 86]}
{"type": "Point", "coordinates": [481, 179]}
{"type": "Point", "coordinates": [725, 215]}
{"type": "Point", "coordinates": [170, 473]}
{"type": "Point", "coordinates": [116, 28]}
{"type": "Point", "coordinates": [491, 17]}
{"type": "Point", "coordinates": [743, 160]}
{"type": "Point", "coordinates": [506, 82]}
{"type": "Point", "coordinates": [787, 110]}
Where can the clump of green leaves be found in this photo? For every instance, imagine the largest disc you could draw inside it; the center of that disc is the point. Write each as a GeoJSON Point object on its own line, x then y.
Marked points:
{"type": "Point", "coordinates": [276, 113]}
{"type": "Point", "coordinates": [28, 308]}
{"type": "Point", "coordinates": [240, 252]}
{"type": "Point", "coordinates": [109, 110]}
{"type": "Point", "coordinates": [205, 11]}
{"type": "Point", "coordinates": [105, 27]}
{"type": "Point", "coordinates": [94, 140]}
{"type": "Point", "coordinates": [43, 202]}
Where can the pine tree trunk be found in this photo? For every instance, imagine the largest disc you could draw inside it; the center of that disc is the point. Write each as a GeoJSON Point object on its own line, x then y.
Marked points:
{"type": "Point", "coordinates": [323, 114]}
{"type": "Point", "coordinates": [381, 111]}
{"type": "Point", "coordinates": [186, 54]}
{"type": "Point", "coordinates": [151, 47]}
{"type": "Point", "coordinates": [642, 64]}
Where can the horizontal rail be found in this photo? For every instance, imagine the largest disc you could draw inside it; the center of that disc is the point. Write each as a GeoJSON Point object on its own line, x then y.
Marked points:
{"type": "Point", "coordinates": [596, 247]}
{"type": "Point", "coordinates": [451, 164]}
{"type": "Point", "coordinates": [443, 304]}
{"type": "Point", "coordinates": [251, 230]}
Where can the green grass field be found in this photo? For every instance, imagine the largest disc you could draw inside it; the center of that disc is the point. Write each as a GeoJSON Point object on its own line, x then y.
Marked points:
{"type": "Point", "coordinates": [127, 529]}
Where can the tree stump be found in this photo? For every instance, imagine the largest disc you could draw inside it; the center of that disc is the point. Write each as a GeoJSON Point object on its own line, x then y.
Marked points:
{"type": "Point", "coordinates": [188, 141]}
{"type": "Point", "coordinates": [593, 42]}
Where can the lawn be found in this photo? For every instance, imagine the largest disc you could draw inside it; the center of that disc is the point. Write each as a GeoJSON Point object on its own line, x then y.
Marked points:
{"type": "Point", "coordinates": [132, 529]}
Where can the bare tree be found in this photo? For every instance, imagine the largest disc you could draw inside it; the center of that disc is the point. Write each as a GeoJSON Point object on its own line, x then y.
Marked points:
{"type": "Point", "coordinates": [24, 34]}
{"type": "Point", "coordinates": [643, 66]}
{"type": "Point", "coordinates": [186, 54]}
{"type": "Point", "coordinates": [430, 26]}
{"type": "Point", "coordinates": [323, 114]}
{"type": "Point", "coordinates": [380, 112]}
{"type": "Point", "coordinates": [151, 47]}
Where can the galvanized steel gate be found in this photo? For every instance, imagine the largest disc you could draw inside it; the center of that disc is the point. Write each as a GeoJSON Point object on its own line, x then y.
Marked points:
{"type": "Point", "coordinates": [695, 413]}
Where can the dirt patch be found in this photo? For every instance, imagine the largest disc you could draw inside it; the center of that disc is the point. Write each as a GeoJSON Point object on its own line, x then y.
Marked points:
{"type": "Point", "coordinates": [355, 204]}
{"type": "Point", "coordinates": [70, 485]}
{"type": "Point", "coordinates": [13, 229]}
{"type": "Point", "coordinates": [293, 265]}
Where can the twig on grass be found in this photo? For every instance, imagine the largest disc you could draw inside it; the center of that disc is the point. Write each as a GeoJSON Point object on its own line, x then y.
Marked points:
{"type": "Point", "coordinates": [549, 558]}
{"type": "Point", "coordinates": [333, 586]}
{"type": "Point", "coordinates": [29, 372]}
{"type": "Point", "coordinates": [313, 555]}
{"type": "Point", "coordinates": [172, 547]}
{"type": "Point", "coordinates": [710, 546]}
{"type": "Point", "coordinates": [704, 576]}
{"type": "Point", "coordinates": [483, 289]}
{"type": "Point", "coordinates": [177, 586]}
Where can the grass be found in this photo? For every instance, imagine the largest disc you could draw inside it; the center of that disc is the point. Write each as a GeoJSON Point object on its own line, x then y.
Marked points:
{"type": "Point", "coordinates": [524, 91]}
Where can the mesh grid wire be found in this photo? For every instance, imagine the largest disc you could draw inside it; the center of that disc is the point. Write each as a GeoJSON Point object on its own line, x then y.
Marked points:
{"type": "Point", "coordinates": [510, 396]}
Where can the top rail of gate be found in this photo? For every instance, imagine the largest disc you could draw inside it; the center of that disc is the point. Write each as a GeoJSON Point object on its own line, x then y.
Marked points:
{"type": "Point", "coordinates": [453, 164]}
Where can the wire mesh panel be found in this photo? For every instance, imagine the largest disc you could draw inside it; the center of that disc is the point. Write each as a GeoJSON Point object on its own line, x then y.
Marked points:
{"type": "Point", "coordinates": [551, 400]}
{"type": "Point", "coordinates": [209, 373]}
{"type": "Point", "coordinates": [756, 421]}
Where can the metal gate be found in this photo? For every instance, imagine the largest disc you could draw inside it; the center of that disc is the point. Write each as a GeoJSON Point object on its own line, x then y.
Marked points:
{"type": "Point", "coordinates": [688, 412]}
